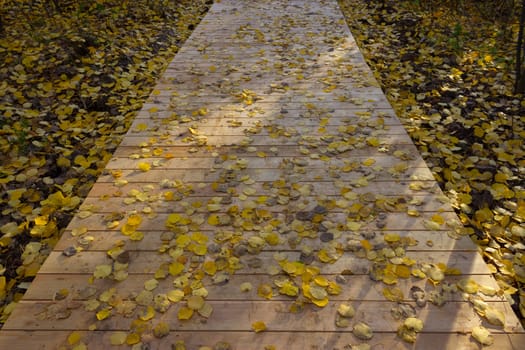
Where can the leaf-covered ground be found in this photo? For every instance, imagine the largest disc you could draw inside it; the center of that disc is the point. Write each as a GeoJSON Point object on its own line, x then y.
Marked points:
{"type": "Point", "coordinates": [72, 78]}
{"type": "Point", "coordinates": [448, 72]}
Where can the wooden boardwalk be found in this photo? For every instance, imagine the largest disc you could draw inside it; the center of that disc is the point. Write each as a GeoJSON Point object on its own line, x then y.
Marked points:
{"type": "Point", "coordinates": [266, 181]}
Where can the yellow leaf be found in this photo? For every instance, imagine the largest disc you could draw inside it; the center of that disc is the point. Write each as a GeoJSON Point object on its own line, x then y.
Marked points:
{"type": "Point", "coordinates": [272, 239]}
{"type": "Point", "coordinates": [320, 302]}
{"type": "Point", "coordinates": [82, 161]}
{"type": "Point", "coordinates": [468, 285]}
{"type": "Point", "coordinates": [431, 225]}
{"type": "Point", "coordinates": [495, 317]}
{"type": "Point", "coordinates": [500, 191]}
{"type": "Point", "coordinates": [102, 271]}
{"type": "Point", "coordinates": [143, 166]}
{"type": "Point", "coordinates": [134, 220]}
{"type": "Point", "coordinates": [334, 288]}
{"type": "Point", "coordinates": [482, 335]}
{"type": "Point", "coordinates": [392, 238]}
{"type": "Point", "coordinates": [321, 281]}
{"type": "Point", "coordinates": [213, 207]}
{"type": "Point", "coordinates": [265, 290]}
{"type": "Point", "coordinates": [141, 127]}
{"type": "Point", "coordinates": [74, 337]}
{"type": "Point", "coordinates": [183, 241]}
{"type": "Point", "coordinates": [483, 215]}
{"type": "Point", "coordinates": [199, 249]}
{"type": "Point", "coordinates": [118, 338]}
{"type": "Point", "coordinates": [148, 314]}
{"type": "Point", "coordinates": [175, 268]}
{"type": "Point", "coordinates": [353, 226]}
{"type": "Point", "coordinates": [185, 313]}
{"type": "Point", "coordinates": [151, 284]}
{"type": "Point", "coordinates": [402, 271]}
{"type": "Point", "coordinates": [289, 288]}
{"type": "Point", "coordinates": [136, 236]}
{"type": "Point", "coordinates": [213, 220]}
{"type": "Point", "coordinates": [42, 220]}
{"type": "Point", "coordinates": [161, 330]}
{"type": "Point", "coordinates": [246, 287]}
{"type": "Point", "coordinates": [393, 294]}
{"type": "Point", "coordinates": [346, 310]}
{"type": "Point", "coordinates": [175, 295]}
{"type": "Point", "coordinates": [103, 314]}
{"type": "Point", "coordinates": [438, 219]}
{"type": "Point", "coordinates": [413, 212]}
{"type": "Point", "coordinates": [369, 162]}
{"type": "Point", "coordinates": [373, 141]}
{"type": "Point", "coordinates": [500, 177]}
{"type": "Point", "coordinates": [366, 244]}
{"type": "Point", "coordinates": [206, 310]}
{"type": "Point", "coordinates": [209, 267]}
{"type": "Point", "coordinates": [258, 326]}
{"type": "Point", "coordinates": [195, 302]}
{"type": "Point", "coordinates": [132, 338]}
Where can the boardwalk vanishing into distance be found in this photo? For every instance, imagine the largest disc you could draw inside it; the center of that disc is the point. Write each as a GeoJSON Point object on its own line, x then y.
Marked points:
{"type": "Point", "coordinates": [265, 197]}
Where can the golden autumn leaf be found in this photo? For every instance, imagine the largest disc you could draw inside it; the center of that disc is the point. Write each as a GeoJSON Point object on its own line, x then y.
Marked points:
{"type": "Point", "coordinates": [265, 291]}
{"type": "Point", "coordinates": [143, 166]}
{"type": "Point", "coordinates": [258, 326]}
{"type": "Point", "coordinates": [118, 338]}
{"type": "Point", "coordinates": [185, 313]}
{"type": "Point", "coordinates": [393, 294]}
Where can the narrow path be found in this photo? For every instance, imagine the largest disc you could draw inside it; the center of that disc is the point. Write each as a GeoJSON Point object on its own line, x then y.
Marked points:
{"type": "Point", "coordinates": [266, 186]}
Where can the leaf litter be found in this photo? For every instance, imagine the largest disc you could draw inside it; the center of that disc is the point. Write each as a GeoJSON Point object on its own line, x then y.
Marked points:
{"type": "Point", "coordinates": [251, 226]}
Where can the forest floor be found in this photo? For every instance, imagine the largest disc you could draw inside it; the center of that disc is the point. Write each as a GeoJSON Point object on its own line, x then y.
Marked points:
{"type": "Point", "coordinates": [70, 86]}
{"type": "Point", "coordinates": [448, 71]}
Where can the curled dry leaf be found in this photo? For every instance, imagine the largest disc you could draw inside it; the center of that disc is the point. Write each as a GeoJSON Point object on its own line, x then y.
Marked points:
{"type": "Point", "coordinates": [409, 329]}
{"type": "Point", "coordinates": [482, 335]}
{"type": "Point", "coordinates": [258, 326]}
{"type": "Point", "coordinates": [495, 317]}
{"type": "Point", "coordinates": [161, 330]}
{"type": "Point", "coordinates": [362, 331]}
{"type": "Point", "coordinates": [346, 310]}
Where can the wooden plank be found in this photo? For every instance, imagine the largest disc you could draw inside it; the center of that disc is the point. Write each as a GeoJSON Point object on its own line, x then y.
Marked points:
{"type": "Point", "coordinates": [263, 117]}
{"type": "Point", "coordinates": [362, 113]}
{"type": "Point", "coordinates": [404, 189]}
{"type": "Point", "coordinates": [357, 288]}
{"type": "Point", "coordinates": [302, 102]}
{"type": "Point", "coordinates": [205, 175]}
{"type": "Point", "coordinates": [423, 240]}
{"type": "Point", "coordinates": [283, 152]}
{"type": "Point", "coordinates": [239, 140]}
{"type": "Point", "coordinates": [314, 92]}
{"type": "Point", "coordinates": [273, 162]}
{"type": "Point", "coordinates": [41, 340]}
{"type": "Point", "coordinates": [226, 131]}
{"type": "Point", "coordinates": [391, 221]}
{"type": "Point", "coordinates": [453, 317]}
{"type": "Point", "coordinates": [154, 201]}
{"type": "Point", "coordinates": [157, 110]}
{"type": "Point", "coordinates": [467, 262]}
